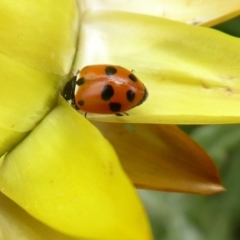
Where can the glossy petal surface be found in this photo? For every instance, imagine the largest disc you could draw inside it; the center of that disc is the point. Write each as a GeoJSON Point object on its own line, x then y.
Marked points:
{"type": "Point", "coordinates": [197, 12]}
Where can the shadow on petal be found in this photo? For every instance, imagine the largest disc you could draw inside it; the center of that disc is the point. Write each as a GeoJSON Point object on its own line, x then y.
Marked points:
{"type": "Point", "coordinates": [162, 157]}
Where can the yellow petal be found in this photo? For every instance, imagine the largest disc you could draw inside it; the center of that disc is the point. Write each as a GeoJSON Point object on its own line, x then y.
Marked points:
{"type": "Point", "coordinates": [36, 54]}
{"type": "Point", "coordinates": [192, 73]}
{"type": "Point", "coordinates": [15, 223]}
{"type": "Point", "coordinates": [68, 176]}
{"type": "Point", "coordinates": [162, 157]}
{"type": "Point", "coordinates": [41, 34]}
{"type": "Point", "coordinates": [202, 12]}
{"type": "Point", "coordinates": [9, 139]}
{"type": "Point", "coordinates": [27, 94]}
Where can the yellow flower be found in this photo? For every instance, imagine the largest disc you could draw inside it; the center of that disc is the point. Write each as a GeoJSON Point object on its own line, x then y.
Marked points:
{"type": "Point", "coordinates": [56, 164]}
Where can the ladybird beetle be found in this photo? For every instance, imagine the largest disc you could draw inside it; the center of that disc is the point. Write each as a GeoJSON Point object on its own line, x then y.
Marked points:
{"type": "Point", "coordinates": [104, 89]}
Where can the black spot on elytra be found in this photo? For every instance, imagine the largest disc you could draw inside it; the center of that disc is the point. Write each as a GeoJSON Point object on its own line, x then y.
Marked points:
{"type": "Point", "coordinates": [80, 81]}
{"type": "Point", "coordinates": [110, 70]}
{"type": "Point", "coordinates": [107, 92]}
{"type": "Point", "coordinates": [115, 107]}
{"type": "Point", "coordinates": [80, 102]}
{"type": "Point", "coordinates": [130, 95]}
{"type": "Point", "coordinates": [133, 77]}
